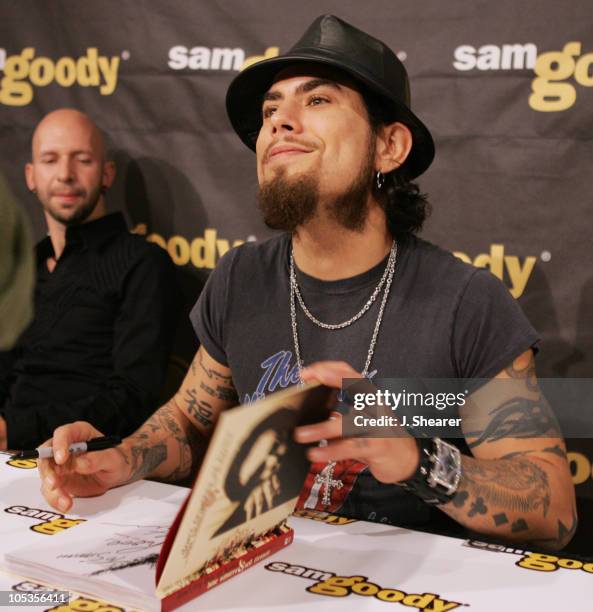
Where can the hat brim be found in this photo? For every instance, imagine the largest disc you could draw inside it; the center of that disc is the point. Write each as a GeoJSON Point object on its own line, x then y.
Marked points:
{"type": "Point", "coordinates": [245, 94]}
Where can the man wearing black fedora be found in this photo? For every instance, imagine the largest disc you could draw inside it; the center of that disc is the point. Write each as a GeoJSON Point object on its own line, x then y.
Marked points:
{"type": "Point", "coordinates": [349, 291]}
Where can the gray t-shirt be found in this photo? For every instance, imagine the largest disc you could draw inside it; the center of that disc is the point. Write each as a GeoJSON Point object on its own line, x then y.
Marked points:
{"type": "Point", "coordinates": [443, 319]}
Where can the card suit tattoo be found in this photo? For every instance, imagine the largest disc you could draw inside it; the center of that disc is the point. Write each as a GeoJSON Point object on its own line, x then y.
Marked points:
{"type": "Point", "coordinates": [478, 507]}
{"type": "Point", "coordinates": [519, 525]}
{"type": "Point", "coordinates": [500, 519]}
{"type": "Point", "coordinates": [460, 499]}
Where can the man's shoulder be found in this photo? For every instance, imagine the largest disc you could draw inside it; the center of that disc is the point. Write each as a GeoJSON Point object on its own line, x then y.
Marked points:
{"type": "Point", "coordinates": [436, 265]}
{"type": "Point", "coordinates": [268, 249]}
{"type": "Point", "coordinates": [254, 257]}
{"type": "Point", "coordinates": [136, 244]}
{"type": "Point", "coordinates": [437, 273]}
{"type": "Point", "coordinates": [126, 250]}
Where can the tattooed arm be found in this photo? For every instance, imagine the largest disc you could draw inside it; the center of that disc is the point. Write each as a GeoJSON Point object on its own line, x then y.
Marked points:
{"type": "Point", "coordinates": [169, 446]}
{"type": "Point", "coordinates": [518, 484]}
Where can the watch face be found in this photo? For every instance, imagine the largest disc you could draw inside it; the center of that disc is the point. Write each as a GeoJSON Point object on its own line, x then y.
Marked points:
{"type": "Point", "coordinates": [450, 462]}
{"type": "Point", "coordinates": [439, 472]}
{"type": "Point", "coordinates": [446, 466]}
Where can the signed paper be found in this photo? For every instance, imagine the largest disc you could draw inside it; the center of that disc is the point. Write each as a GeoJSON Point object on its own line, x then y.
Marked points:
{"type": "Point", "coordinates": [114, 555]}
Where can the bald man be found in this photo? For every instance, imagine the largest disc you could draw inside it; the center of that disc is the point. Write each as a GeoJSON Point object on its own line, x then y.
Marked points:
{"type": "Point", "coordinates": [105, 305]}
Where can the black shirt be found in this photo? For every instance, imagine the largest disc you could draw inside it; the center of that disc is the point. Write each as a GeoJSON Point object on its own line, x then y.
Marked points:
{"type": "Point", "coordinates": [443, 319]}
{"type": "Point", "coordinates": [100, 339]}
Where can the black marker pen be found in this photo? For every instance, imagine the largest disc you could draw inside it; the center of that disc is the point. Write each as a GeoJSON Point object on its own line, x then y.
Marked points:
{"type": "Point", "coordinates": [47, 452]}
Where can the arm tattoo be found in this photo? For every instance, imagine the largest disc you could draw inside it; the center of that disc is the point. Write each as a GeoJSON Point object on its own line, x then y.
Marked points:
{"type": "Point", "coordinates": [518, 418]}
{"type": "Point", "coordinates": [161, 437]}
{"type": "Point", "coordinates": [511, 492]}
{"type": "Point", "coordinates": [144, 457]}
{"type": "Point", "coordinates": [200, 410]}
{"type": "Point", "coordinates": [211, 373]}
{"type": "Point", "coordinates": [527, 415]}
{"type": "Point", "coordinates": [188, 449]}
{"type": "Point", "coordinates": [222, 393]}
{"type": "Point", "coordinates": [502, 519]}
{"type": "Point", "coordinates": [478, 507]}
{"type": "Point", "coordinates": [553, 450]}
{"type": "Point", "coordinates": [514, 485]}
{"type": "Point", "coordinates": [147, 459]}
{"type": "Point", "coordinates": [519, 525]}
{"type": "Point", "coordinates": [565, 534]}
{"type": "Point", "coordinates": [222, 385]}
{"type": "Point", "coordinates": [177, 443]}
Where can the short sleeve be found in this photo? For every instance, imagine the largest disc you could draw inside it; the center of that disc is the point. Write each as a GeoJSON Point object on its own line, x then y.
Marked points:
{"type": "Point", "coordinates": [490, 330]}
{"type": "Point", "coordinates": [208, 316]}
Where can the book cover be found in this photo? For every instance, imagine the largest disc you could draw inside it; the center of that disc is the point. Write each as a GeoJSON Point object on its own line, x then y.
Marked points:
{"type": "Point", "coordinates": [247, 485]}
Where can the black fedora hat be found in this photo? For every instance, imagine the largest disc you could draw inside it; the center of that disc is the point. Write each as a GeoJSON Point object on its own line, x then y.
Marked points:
{"type": "Point", "coordinates": [331, 41]}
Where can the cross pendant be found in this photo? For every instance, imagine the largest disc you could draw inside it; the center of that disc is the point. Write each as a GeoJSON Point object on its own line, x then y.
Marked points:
{"type": "Point", "coordinates": [324, 478]}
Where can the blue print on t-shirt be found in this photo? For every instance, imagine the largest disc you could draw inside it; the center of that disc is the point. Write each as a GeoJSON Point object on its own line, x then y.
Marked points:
{"type": "Point", "coordinates": [278, 372]}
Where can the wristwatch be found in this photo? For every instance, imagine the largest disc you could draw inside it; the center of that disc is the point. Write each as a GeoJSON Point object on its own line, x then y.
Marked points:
{"type": "Point", "coordinates": [438, 474]}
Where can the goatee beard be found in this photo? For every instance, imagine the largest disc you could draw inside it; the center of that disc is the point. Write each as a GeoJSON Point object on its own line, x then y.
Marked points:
{"type": "Point", "coordinates": [80, 215]}
{"type": "Point", "coordinates": [287, 204]}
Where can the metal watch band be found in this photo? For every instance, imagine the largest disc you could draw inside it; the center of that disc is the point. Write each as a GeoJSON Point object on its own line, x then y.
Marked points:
{"type": "Point", "coordinates": [438, 474]}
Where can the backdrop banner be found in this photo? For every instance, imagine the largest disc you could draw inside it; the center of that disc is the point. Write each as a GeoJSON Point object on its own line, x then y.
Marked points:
{"type": "Point", "coordinates": [506, 89]}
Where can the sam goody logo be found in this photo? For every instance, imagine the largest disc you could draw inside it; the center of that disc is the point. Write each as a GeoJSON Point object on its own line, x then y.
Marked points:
{"type": "Point", "coordinates": [24, 71]}
{"type": "Point", "coordinates": [551, 89]}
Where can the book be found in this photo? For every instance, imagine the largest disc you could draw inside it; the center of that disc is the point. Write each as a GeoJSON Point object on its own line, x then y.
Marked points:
{"type": "Point", "coordinates": [234, 516]}
{"type": "Point", "coordinates": [238, 561]}
{"type": "Point", "coordinates": [247, 485]}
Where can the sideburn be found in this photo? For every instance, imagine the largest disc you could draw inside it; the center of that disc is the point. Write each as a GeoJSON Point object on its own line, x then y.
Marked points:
{"type": "Point", "coordinates": [350, 209]}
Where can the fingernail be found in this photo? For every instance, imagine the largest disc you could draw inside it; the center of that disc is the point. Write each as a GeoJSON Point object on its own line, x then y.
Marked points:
{"type": "Point", "coordinates": [63, 503]}
{"type": "Point", "coordinates": [60, 456]}
{"type": "Point", "coordinates": [50, 480]}
{"type": "Point", "coordinates": [83, 463]}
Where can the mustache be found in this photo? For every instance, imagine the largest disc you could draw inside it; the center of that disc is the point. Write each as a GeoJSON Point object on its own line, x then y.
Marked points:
{"type": "Point", "coordinates": [306, 144]}
{"type": "Point", "coordinates": [79, 191]}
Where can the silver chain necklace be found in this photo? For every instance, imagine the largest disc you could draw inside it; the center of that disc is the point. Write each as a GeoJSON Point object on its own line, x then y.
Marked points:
{"type": "Point", "coordinates": [390, 265]}
{"type": "Point", "coordinates": [386, 281]}
{"type": "Point", "coordinates": [325, 478]}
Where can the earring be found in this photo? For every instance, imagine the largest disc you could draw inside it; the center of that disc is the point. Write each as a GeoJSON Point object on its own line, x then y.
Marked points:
{"type": "Point", "coordinates": [379, 180]}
